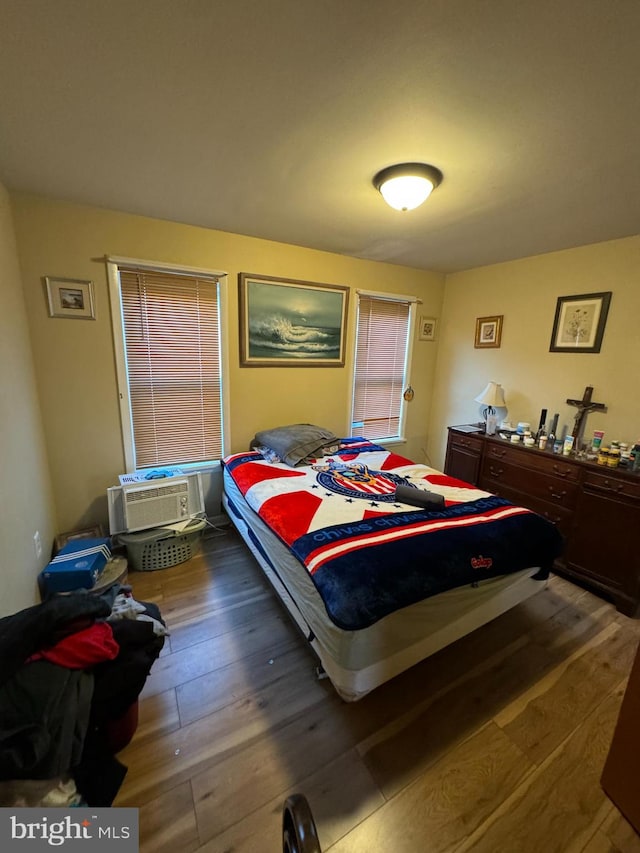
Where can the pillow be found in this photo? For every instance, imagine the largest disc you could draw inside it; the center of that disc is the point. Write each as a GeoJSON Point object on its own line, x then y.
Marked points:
{"type": "Point", "coordinates": [266, 453]}
{"type": "Point", "coordinates": [296, 442]}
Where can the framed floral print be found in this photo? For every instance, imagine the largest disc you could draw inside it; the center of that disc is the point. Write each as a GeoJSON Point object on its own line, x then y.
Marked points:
{"type": "Point", "coordinates": [427, 329]}
{"type": "Point", "coordinates": [488, 331]}
{"type": "Point", "coordinates": [579, 322]}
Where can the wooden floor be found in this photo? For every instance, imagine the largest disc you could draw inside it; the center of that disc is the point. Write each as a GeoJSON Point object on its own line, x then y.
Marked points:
{"type": "Point", "coordinates": [494, 744]}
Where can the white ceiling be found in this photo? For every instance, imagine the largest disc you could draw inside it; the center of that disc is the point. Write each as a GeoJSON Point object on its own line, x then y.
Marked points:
{"type": "Point", "coordinates": [271, 118]}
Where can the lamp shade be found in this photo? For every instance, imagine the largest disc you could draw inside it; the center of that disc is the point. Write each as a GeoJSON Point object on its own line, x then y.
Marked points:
{"type": "Point", "coordinates": [492, 396]}
{"type": "Point", "coordinates": [407, 185]}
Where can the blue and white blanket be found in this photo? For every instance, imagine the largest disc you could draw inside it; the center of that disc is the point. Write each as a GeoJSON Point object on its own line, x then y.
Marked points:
{"type": "Point", "coordinates": [369, 554]}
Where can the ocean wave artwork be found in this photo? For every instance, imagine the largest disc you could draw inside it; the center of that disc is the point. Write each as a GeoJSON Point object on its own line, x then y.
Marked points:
{"type": "Point", "coordinates": [294, 322]}
{"type": "Point", "coordinates": [276, 336]}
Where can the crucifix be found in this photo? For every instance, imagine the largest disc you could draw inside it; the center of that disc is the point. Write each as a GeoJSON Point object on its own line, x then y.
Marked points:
{"type": "Point", "coordinates": [584, 406]}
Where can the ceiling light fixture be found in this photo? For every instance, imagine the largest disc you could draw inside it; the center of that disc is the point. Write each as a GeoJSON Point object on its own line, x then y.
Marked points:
{"type": "Point", "coordinates": [406, 185]}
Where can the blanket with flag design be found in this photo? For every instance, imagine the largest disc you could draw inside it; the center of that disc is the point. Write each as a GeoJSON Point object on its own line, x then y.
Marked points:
{"type": "Point", "coordinates": [369, 554]}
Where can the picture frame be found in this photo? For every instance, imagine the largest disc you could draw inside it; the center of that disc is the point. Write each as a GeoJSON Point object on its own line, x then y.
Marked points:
{"type": "Point", "coordinates": [579, 322]}
{"type": "Point", "coordinates": [290, 323]}
{"type": "Point", "coordinates": [61, 539]}
{"type": "Point", "coordinates": [427, 329]}
{"type": "Point", "coordinates": [488, 332]}
{"type": "Point", "coordinates": [70, 297]}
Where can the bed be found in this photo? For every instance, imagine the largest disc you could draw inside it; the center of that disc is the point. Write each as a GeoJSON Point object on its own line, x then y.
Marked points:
{"type": "Point", "coordinates": [375, 583]}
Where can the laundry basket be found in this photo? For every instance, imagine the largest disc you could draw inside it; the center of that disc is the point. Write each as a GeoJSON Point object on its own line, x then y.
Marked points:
{"type": "Point", "coordinates": [162, 547]}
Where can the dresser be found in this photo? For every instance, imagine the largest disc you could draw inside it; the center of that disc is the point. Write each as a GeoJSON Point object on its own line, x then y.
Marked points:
{"type": "Point", "coordinates": [596, 509]}
{"type": "Point", "coordinates": [620, 773]}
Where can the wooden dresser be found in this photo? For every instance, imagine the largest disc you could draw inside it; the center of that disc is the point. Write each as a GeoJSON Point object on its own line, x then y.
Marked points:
{"type": "Point", "coordinates": [620, 774]}
{"type": "Point", "coordinates": [597, 509]}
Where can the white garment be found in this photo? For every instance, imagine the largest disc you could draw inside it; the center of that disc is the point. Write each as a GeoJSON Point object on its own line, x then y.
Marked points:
{"type": "Point", "coordinates": [126, 607]}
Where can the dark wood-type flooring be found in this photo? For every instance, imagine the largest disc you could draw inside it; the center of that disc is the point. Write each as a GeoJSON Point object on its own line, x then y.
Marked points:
{"type": "Point", "coordinates": [495, 744]}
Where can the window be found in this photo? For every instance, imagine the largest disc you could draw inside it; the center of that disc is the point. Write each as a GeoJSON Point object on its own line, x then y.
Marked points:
{"type": "Point", "coordinates": [381, 366]}
{"type": "Point", "coordinates": [168, 346]}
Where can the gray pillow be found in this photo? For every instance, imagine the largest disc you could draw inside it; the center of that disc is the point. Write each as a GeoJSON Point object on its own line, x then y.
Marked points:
{"type": "Point", "coordinates": [296, 442]}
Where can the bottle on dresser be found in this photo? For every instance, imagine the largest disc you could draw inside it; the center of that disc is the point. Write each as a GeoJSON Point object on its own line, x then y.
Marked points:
{"type": "Point", "coordinates": [542, 426]}
{"type": "Point", "coordinates": [551, 437]}
{"type": "Point", "coordinates": [542, 438]}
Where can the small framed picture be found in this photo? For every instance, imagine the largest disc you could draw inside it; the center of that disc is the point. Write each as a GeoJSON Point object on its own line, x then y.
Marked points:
{"type": "Point", "coordinates": [427, 329]}
{"type": "Point", "coordinates": [488, 332]}
{"type": "Point", "coordinates": [70, 297]}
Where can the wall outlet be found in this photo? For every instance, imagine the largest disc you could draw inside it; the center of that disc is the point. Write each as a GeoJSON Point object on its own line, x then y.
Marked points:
{"type": "Point", "coordinates": [37, 544]}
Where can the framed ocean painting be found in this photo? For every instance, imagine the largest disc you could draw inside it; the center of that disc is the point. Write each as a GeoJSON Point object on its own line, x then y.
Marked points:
{"type": "Point", "coordinates": [289, 323]}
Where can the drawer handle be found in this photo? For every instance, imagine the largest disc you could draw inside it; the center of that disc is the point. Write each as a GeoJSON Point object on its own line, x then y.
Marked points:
{"type": "Point", "coordinates": [558, 496]}
{"type": "Point", "coordinates": [606, 487]}
{"type": "Point", "coordinates": [561, 472]}
{"type": "Point", "coordinates": [499, 454]}
{"type": "Point", "coordinates": [496, 472]}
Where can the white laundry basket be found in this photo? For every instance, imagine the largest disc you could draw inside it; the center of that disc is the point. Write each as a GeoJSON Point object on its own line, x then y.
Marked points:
{"type": "Point", "coordinates": [162, 547]}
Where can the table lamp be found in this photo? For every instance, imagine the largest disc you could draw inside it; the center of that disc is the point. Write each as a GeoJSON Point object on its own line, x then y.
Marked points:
{"type": "Point", "coordinates": [491, 398]}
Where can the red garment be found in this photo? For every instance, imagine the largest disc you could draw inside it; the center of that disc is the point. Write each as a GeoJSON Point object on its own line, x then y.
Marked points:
{"type": "Point", "coordinates": [83, 649]}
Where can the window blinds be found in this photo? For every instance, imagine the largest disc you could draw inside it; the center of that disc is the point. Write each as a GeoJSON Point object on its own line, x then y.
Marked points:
{"type": "Point", "coordinates": [172, 345]}
{"type": "Point", "coordinates": [381, 348]}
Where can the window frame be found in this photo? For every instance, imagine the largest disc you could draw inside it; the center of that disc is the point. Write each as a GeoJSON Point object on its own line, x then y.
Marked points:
{"type": "Point", "coordinates": [113, 264]}
{"type": "Point", "coordinates": [412, 302]}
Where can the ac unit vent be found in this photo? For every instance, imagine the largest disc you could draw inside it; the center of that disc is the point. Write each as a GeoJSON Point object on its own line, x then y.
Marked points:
{"type": "Point", "coordinates": [151, 492]}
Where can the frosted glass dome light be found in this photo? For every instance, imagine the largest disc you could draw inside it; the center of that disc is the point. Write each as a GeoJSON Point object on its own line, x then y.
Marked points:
{"type": "Point", "coordinates": [407, 185]}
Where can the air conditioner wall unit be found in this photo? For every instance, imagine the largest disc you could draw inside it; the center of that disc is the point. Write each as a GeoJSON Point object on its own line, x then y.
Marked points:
{"type": "Point", "coordinates": [154, 503]}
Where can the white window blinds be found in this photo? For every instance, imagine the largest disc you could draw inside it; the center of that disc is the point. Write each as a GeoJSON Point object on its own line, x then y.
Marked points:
{"type": "Point", "coordinates": [172, 346]}
{"type": "Point", "coordinates": [380, 367]}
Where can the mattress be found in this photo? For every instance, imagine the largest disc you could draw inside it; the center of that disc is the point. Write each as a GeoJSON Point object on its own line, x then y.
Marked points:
{"type": "Point", "coordinates": [357, 661]}
{"type": "Point", "coordinates": [369, 551]}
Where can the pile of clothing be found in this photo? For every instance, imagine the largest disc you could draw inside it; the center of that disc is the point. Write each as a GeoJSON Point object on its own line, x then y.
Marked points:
{"type": "Point", "coordinates": [71, 671]}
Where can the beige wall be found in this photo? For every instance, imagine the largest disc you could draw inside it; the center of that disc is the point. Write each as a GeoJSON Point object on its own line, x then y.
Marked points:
{"type": "Point", "coordinates": [525, 292]}
{"type": "Point", "coordinates": [74, 358]}
{"type": "Point", "coordinates": [75, 373]}
{"type": "Point", "coordinates": [26, 504]}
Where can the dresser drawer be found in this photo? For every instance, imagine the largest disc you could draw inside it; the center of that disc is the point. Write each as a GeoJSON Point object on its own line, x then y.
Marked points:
{"type": "Point", "coordinates": [558, 515]}
{"type": "Point", "coordinates": [462, 441]}
{"type": "Point", "coordinates": [537, 484]}
{"type": "Point", "coordinates": [534, 460]}
{"type": "Point", "coordinates": [612, 486]}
